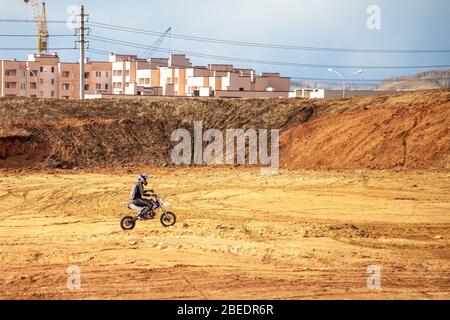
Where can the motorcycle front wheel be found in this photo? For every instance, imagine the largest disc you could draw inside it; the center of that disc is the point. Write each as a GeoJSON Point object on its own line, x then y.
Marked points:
{"type": "Point", "coordinates": [127, 223]}
{"type": "Point", "coordinates": [168, 219]}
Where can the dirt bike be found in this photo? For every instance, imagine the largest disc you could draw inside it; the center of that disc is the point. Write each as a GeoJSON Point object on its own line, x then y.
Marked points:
{"type": "Point", "coordinates": [167, 219]}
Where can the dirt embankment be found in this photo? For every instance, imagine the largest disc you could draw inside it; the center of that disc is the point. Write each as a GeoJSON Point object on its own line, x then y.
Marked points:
{"type": "Point", "coordinates": [403, 130]}
{"type": "Point", "coordinates": [118, 133]}
{"type": "Point", "coordinates": [410, 131]}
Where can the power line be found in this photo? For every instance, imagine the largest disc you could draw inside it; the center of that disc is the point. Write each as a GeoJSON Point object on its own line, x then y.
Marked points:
{"type": "Point", "coordinates": [279, 63]}
{"type": "Point", "coordinates": [265, 45]}
{"type": "Point", "coordinates": [102, 52]}
{"type": "Point", "coordinates": [34, 35]}
{"type": "Point", "coordinates": [136, 45]}
{"type": "Point", "coordinates": [31, 21]}
{"type": "Point", "coordinates": [243, 43]}
{"type": "Point", "coordinates": [32, 49]}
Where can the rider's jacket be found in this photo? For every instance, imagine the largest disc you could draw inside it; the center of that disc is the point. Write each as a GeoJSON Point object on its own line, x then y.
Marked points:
{"type": "Point", "coordinates": [137, 192]}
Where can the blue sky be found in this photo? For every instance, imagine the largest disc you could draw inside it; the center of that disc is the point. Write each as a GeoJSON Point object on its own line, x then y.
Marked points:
{"type": "Point", "coordinates": [413, 24]}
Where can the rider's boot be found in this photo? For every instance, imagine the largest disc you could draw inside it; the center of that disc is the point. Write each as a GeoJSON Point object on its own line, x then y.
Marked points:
{"type": "Point", "coordinates": [140, 216]}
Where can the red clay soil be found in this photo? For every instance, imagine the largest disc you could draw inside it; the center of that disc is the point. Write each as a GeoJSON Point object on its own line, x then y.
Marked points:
{"type": "Point", "coordinates": [412, 134]}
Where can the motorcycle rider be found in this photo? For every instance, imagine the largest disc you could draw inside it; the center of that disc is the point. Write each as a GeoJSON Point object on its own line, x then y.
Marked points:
{"type": "Point", "coordinates": [138, 193]}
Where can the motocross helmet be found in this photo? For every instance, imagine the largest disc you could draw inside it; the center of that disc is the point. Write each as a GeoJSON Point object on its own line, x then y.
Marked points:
{"type": "Point", "coordinates": [143, 179]}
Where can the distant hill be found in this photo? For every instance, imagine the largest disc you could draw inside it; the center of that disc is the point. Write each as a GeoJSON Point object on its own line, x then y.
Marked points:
{"type": "Point", "coordinates": [435, 79]}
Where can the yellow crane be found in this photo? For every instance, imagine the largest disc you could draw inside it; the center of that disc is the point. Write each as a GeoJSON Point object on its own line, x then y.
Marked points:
{"type": "Point", "coordinates": [41, 24]}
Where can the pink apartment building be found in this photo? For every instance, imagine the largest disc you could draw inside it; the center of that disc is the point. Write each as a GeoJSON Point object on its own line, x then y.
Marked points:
{"type": "Point", "coordinates": [44, 76]}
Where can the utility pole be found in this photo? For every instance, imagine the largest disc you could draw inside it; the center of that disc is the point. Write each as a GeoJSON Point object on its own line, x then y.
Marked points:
{"type": "Point", "coordinates": [82, 42]}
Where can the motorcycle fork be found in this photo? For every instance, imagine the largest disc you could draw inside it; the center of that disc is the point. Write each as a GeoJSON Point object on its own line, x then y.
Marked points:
{"type": "Point", "coordinates": [162, 209]}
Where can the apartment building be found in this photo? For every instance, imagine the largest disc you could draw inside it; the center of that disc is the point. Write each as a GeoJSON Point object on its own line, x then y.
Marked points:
{"type": "Point", "coordinates": [36, 77]}
{"type": "Point", "coordinates": [44, 76]}
{"type": "Point", "coordinates": [124, 73]}
{"type": "Point", "coordinates": [13, 78]}
{"type": "Point", "coordinates": [97, 78]}
{"type": "Point", "coordinates": [225, 81]}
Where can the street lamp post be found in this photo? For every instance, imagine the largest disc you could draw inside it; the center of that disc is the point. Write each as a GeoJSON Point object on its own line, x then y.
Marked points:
{"type": "Point", "coordinates": [36, 77]}
{"type": "Point", "coordinates": [26, 82]}
{"type": "Point", "coordinates": [358, 72]}
{"type": "Point", "coordinates": [342, 78]}
{"type": "Point", "coordinates": [35, 80]}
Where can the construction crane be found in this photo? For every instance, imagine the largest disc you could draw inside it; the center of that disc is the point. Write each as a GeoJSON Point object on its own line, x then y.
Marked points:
{"type": "Point", "coordinates": [151, 51]}
{"type": "Point", "coordinates": [41, 24]}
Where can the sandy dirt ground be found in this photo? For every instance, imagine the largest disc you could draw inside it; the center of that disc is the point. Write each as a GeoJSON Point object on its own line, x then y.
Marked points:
{"type": "Point", "coordinates": [239, 235]}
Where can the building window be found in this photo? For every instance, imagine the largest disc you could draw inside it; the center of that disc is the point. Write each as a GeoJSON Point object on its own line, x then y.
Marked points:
{"type": "Point", "coordinates": [106, 86]}
{"type": "Point", "coordinates": [10, 85]}
{"type": "Point", "coordinates": [66, 74]}
{"type": "Point", "coordinates": [53, 69]}
{"type": "Point", "coordinates": [22, 86]}
{"type": "Point", "coordinates": [143, 81]}
{"type": "Point", "coordinates": [53, 82]}
{"type": "Point", "coordinates": [66, 86]}
{"type": "Point", "coordinates": [241, 89]}
{"type": "Point", "coordinates": [107, 74]}
{"type": "Point", "coordinates": [86, 75]}
{"type": "Point", "coordinates": [98, 74]}
{"type": "Point", "coordinates": [53, 94]}
{"type": "Point", "coordinates": [86, 87]}
{"type": "Point", "coordinates": [33, 85]}
{"type": "Point", "coordinates": [128, 73]}
{"type": "Point", "coordinates": [23, 74]}
{"type": "Point", "coordinates": [11, 73]}
{"type": "Point", "coordinates": [117, 73]}
{"type": "Point", "coordinates": [98, 86]}
{"type": "Point", "coordinates": [41, 69]}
